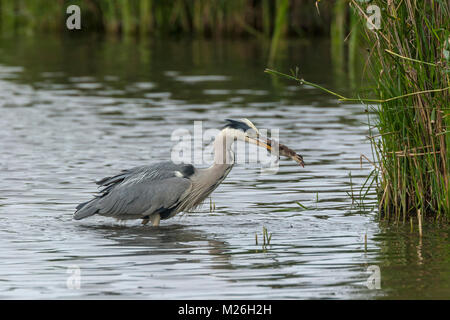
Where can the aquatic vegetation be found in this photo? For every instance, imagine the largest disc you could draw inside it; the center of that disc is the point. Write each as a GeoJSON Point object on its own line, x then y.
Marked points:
{"type": "Point", "coordinates": [410, 66]}
{"type": "Point", "coordinates": [269, 19]}
{"type": "Point", "coordinates": [302, 206]}
{"type": "Point", "coordinates": [280, 24]}
{"type": "Point", "coordinates": [338, 34]}
{"type": "Point", "coordinates": [212, 205]}
{"type": "Point", "coordinates": [359, 194]}
{"type": "Point", "coordinates": [266, 237]}
{"type": "Point", "coordinates": [407, 61]}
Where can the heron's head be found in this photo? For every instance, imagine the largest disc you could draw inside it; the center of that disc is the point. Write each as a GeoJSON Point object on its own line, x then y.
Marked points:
{"type": "Point", "coordinates": [245, 130]}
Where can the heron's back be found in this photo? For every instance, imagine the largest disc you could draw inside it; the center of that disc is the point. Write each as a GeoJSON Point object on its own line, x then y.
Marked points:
{"type": "Point", "coordinates": [140, 191]}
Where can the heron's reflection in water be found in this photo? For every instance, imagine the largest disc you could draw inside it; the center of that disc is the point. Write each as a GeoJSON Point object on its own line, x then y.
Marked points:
{"type": "Point", "coordinates": [174, 240]}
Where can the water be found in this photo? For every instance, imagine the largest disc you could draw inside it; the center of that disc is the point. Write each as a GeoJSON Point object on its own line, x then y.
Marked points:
{"type": "Point", "coordinates": [76, 110]}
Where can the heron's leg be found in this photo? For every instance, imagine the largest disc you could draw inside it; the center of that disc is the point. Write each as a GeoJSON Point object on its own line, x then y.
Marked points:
{"type": "Point", "coordinates": [155, 218]}
{"type": "Point", "coordinates": [145, 220]}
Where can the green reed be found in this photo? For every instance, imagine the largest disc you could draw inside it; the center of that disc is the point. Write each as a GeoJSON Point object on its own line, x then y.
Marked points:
{"type": "Point", "coordinates": [266, 237]}
{"type": "Point", "coordinates": [409, 63]}
{"type": "Point", "coordinates": [338, 34]}
{"type": "Point", "coordinates": [280, 26]}
{"type": "Point", "coordinates": [412, 142]}
{"type": "Point", "coordinates": [269, 18]}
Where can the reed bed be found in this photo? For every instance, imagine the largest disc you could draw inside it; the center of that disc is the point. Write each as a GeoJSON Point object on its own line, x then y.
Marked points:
{"type": "Point", "coordinates": [215, 18]}
{"type": "Point", "coordinates": [409, 63]}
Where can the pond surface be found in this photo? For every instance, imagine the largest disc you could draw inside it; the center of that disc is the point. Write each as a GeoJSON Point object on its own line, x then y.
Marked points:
{"type": "Point", "coordinates": [73, 111]}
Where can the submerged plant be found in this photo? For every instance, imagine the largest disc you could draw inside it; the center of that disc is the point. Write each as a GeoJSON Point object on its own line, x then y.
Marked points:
{"type": "Point", "coordinates": [212, 205]}
{"type": "Point", "coordinates": [266, 237]}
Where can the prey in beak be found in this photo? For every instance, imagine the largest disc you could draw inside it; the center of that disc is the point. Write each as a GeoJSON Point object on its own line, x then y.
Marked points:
{"type": "Point", "coordinates": [248, 132]}
{"type": "Point", "coordinates": [272, 145]}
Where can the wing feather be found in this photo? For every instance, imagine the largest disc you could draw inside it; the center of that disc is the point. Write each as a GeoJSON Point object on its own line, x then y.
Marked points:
{"type": "Point", "coordinates": [139, 191]}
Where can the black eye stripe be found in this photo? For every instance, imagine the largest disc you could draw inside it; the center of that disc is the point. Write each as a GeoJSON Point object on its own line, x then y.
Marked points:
{"type": "Point", "coordinates": [235, 124]}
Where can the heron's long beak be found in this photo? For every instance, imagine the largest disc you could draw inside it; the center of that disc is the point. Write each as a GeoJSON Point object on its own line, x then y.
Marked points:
{"type": "Point", "coordinates": [272, 145]}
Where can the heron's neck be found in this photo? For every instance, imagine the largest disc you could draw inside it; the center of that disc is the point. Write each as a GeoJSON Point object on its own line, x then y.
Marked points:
{"type": "Point", "coordinates": [223, 162]}
{"type": "Point", "coordinates": [223, 155]}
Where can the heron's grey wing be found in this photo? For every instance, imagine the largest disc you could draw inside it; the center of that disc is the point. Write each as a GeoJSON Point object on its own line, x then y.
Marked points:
{"type": "Point", "coordinates": [143, 197]}
{"type": "Point", "coordinates": [140, 190]}
{"type": "Point", "coordinates": [155, 171]}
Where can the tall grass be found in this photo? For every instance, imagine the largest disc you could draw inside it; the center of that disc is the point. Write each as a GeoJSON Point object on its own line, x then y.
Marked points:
{"type": "Point", "coordinates": [338, 34]}
{"type": "Point", "coordinates": [279, 27]}
{"type": "Point", "coordinates": [408, 60]}
{"type": "Point", "coordinates": [267, 20]}
{"type": "Point", "coordinates": [160, 17]}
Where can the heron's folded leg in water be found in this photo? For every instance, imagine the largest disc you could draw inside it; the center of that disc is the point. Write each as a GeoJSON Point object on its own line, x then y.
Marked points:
{"type": "Point", "coordinates": [145, 220]}
{"type": "Point", "coordinates": [155, 218]}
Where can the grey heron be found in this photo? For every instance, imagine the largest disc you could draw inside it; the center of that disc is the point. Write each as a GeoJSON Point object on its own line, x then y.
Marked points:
{"type": "Point", "coordinates": [159, 191]}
